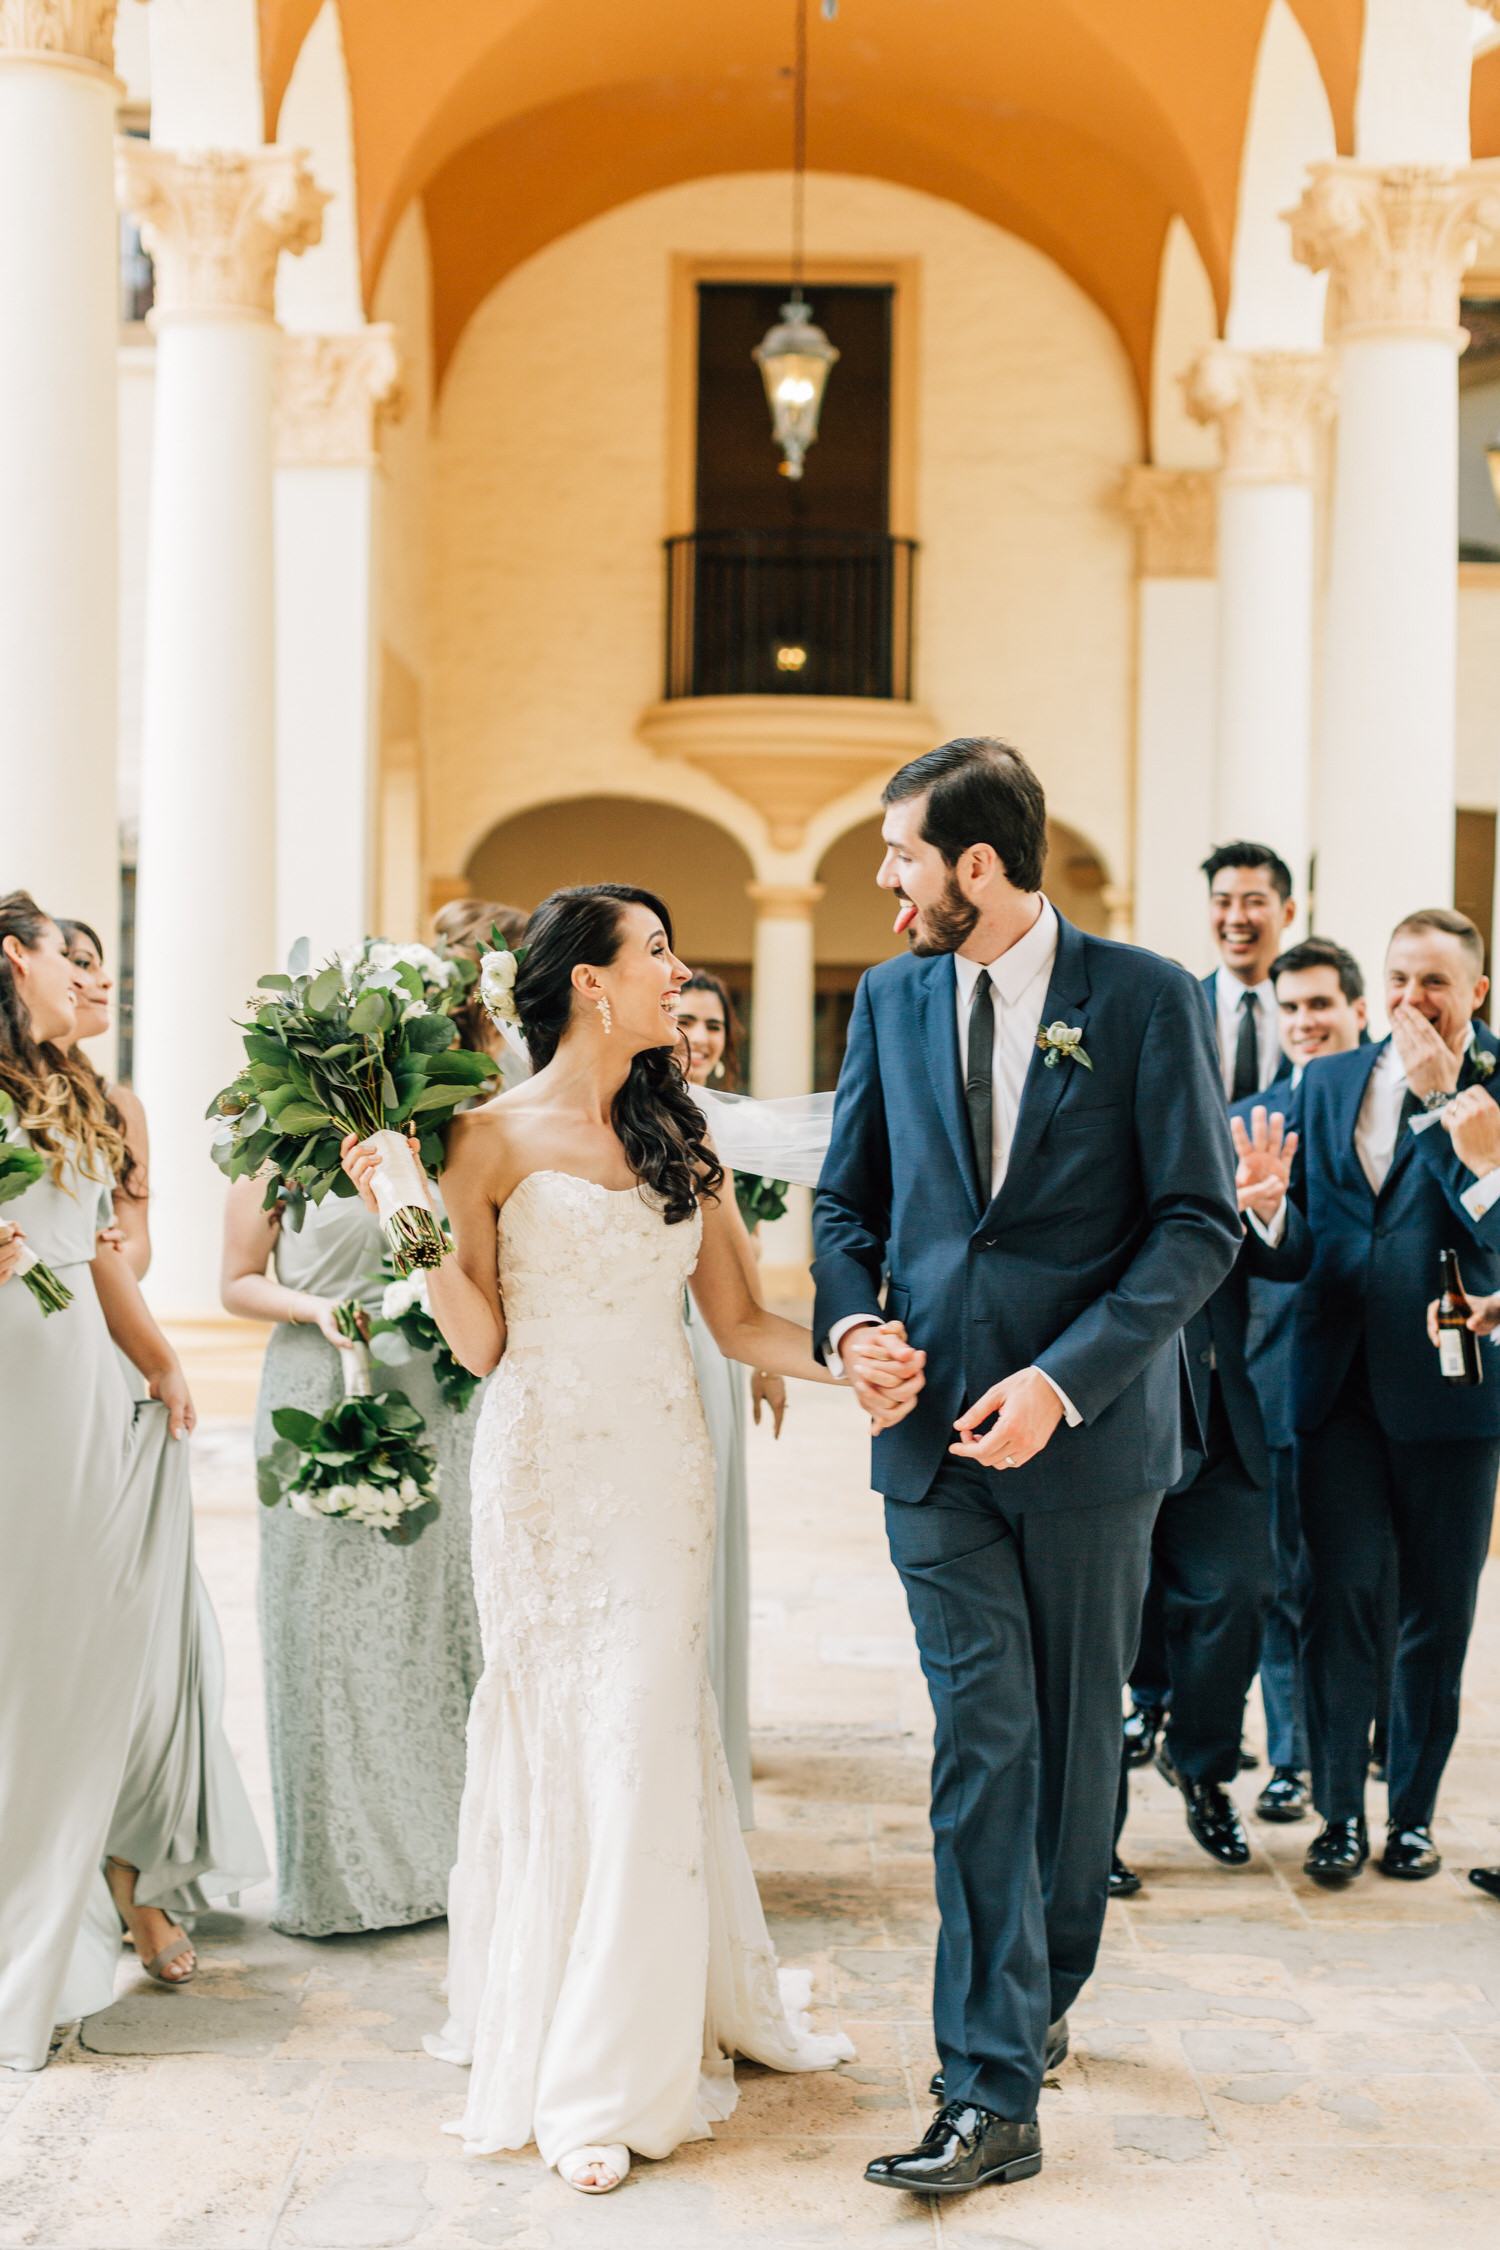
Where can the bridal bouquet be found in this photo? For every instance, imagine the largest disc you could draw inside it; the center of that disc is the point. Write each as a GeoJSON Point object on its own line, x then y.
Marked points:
{"type": "Point", "coordinates": [366, 1461]}
{"type": "Point", "coordinates": [759, 1199]}
{"type": "Point", "coordinates": [406, 1325]}
{"type": "Point", "coordinates": [365, 1047]}
{"type": "Point", "coordinates": [21, 1168]}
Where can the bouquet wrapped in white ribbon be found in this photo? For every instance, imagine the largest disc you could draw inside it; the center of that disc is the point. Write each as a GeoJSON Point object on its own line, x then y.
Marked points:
{"type": "Point", "coordinates": [365, 1047]}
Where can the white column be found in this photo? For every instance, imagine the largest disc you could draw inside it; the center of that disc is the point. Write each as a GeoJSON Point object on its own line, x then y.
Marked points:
{"type": "Point", "coordinates": [1269, 406]}
{"type": "Point", "coordinates": [1176, 653]}
{"type": "Point", "coordinates": [215, 223]}
{"type": "Point", "coordinates": [781, 1038]}
{"type": "Point", "coordinates": [327, 389]}
{"type": "Point", "coordinates": [59, 321]}
{"type": "Point", "coordinates": [1395, 243]}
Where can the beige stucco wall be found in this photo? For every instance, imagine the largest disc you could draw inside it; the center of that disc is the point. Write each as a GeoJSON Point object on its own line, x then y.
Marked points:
{"type": "Point", "coordinates": [550, 455]}
{"type": "Point", "coordinates": [1478, 774]}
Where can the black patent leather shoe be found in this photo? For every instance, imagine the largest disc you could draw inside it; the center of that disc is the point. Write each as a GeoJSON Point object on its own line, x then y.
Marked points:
{"type": "Point", "coordinates": [1054, 2055]}
{"type": "Point", "coordinates": [1141, 1730]}
{"type": "Point", "coordinates": [1212, 1819]}
{"type": "Point", "coordinates": [1487, 1879]}
{"type": "Point", "coordinates": [964, 2147]}
{"type": "Point", "coordinates": [1123, 1881]}
{"type": "Point", "coordinates": [1338, 1854]}
{"type": "Point", "coordinates": [1410, 1855]}
{"type": "Point", "coordinates": [1248, 1759]}
{"type": "Point", "coordinates": [1284, 1796]}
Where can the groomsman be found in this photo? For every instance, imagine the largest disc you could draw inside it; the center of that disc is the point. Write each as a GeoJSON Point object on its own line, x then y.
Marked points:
{"type": "Point", "coordinates": [1321, 1010]}
{"type": "Point", "coordinates": [1385, 1446]}
{"type": "Point", "coordinates": [1472, 1123]}
{"type": "Point", "coordinates": [1211, 1567]}
{"type": "Point", "coordinates": [1250, 908]}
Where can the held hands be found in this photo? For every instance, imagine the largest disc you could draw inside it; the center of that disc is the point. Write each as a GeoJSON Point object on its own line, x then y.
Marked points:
{"type": "Point", "coordinates": [884, 1371]}
{"type": "Point", "coordinates": [1429, 1062]}
{"type": "Point", "coordinates": [1484, 1316]}
{"type": "Point", "coordinates": [768, 1391]}
{"type": "Point", "coordinates": [1265, 1161]}
{"type": "Point", "coordinates": [1027, 1410]}
{"type": "Point", "coordinates": [1472, 1123]}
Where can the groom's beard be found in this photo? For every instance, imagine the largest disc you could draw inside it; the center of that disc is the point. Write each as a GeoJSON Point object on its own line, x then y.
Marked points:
{"type": "Point", "coordinates": [946, 925]}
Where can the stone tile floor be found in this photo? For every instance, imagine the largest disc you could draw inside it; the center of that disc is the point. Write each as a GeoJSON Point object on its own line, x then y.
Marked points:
{"type": "Point", "coordinates": [1256, 2062]}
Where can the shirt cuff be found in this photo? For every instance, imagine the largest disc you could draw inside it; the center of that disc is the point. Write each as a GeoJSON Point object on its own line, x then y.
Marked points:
{"type": "Point", "coordinates": [1270, 1230]}
{"type": "Point", "coordinates": [836, 1335]}
{"type": "Point", "coordinates": [1481, 1195]}
{"type": "Point", "coordinates": [1071, 1414]}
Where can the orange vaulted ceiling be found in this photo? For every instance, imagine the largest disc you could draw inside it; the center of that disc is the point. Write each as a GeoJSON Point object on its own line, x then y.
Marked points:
{"type": "Point", "coordinates": [1080, 125]}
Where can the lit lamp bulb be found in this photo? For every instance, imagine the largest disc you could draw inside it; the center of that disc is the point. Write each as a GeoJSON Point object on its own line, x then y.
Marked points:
{"type": "Point", "coordinates": [794, 358]}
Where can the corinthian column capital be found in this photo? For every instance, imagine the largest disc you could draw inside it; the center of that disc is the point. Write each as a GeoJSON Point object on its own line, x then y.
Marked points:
{"type": "Point", "coordinates": [1175, 513]}
{"type": "Point", "coordinates": [1269, 406]}
{"type": "Point", "coordinates": [330, 394]}
{"type": "Point", "coordinates": [216, 220]}
{"type": "Point", "coordinates": [1395, 241]}
{"type": "Point", "coordinates": [58, 31]}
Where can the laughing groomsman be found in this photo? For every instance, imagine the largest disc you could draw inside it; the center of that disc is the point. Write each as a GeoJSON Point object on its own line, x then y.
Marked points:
{"type": "Point", "coordinates": [1250, 909]}
{"type": "Point", "coordinates": [1385, 1446]}
{"type": "Point", "coordinates": [1321, 1010]}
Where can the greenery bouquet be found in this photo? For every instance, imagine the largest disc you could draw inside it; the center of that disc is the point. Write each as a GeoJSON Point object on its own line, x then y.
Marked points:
{"type": "Point", "coordinates": [759, 1199]}
{"type": "Point", "coordinates": [365, 1047]}
{"type": "Point", "coordinates": [406, 1325]}
{"type": "Point", "coordinates": [21, 1168]}
{"type": "Point", "coordinates": [366, 1461]}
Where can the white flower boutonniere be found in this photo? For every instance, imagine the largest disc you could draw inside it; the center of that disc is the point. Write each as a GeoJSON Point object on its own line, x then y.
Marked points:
{"type": "Point", "coordinates": [1482, 1062]}
{"type": "Point", "coordinates": [1062, 1042]}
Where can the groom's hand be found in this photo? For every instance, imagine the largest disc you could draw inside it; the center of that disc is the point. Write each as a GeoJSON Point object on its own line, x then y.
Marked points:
{"type": "Point", "coordinates": [1027, 1410]}
{"type": "Point", "coordinates": [884, 1371]}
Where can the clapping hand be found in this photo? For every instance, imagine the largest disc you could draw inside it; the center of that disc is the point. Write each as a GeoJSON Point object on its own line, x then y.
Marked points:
{"type": "Point", "coordinates": [884, 1371]}
{"type": "Point", "coordinates": [1265, 1162]}
{"type": "Point", "coordinates": [1472, 1123]}
{"type": "Point", "coordinates": [1430, 1064]}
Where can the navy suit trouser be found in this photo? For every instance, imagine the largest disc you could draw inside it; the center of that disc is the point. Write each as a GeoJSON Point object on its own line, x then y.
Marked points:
{"type": "Point", "coordinates": [1026, 1621]}
{"type": "Point", "coordinates": [1281, 1645]}
{"type": "Point", "coordinates": [1360, 1487]}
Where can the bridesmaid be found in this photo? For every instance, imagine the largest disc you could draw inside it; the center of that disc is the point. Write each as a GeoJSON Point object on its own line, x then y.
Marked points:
{"type": "Point", "coordinates": [706, 1020]}
{"type": "Point", "coordinates": [371, 1652]}
{"type": "Point", "coordinates": [92, 985]}
{"type": "Point", "coordinates": [96, 1766]}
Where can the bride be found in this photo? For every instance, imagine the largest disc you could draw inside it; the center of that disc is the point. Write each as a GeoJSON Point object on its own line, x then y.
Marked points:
{"type": "Point", "coordinates": [608, 1955]}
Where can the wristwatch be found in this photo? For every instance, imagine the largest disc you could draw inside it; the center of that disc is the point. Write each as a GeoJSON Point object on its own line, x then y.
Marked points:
{"type": "Point", "coordinates": [1438, 1100]}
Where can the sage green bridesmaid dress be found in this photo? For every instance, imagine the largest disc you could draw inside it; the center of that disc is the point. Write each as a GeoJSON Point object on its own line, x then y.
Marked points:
{"type": "Point", "coordinates": [371, 1651]}
{"type": "Point", "coordinates": [111, 1683]}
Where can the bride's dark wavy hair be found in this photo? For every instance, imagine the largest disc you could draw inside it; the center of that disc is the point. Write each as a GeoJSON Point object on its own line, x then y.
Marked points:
{"type": "Point", "coordinates": [661, 1127]}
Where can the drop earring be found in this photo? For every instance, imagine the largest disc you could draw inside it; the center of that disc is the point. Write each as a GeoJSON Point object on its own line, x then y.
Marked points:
{"type": "Point", "coordinates": [605, 1017]}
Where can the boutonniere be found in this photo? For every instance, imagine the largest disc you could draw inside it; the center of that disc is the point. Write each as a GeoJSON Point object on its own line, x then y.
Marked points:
{"type": "Point", "coordinates": [1481, 1062]}
{"type": "Point", "coordinates": [1062, 1042]}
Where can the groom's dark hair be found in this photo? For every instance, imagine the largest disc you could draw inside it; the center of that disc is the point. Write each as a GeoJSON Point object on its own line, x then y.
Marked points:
{"type": "Point", "coordinates": [979, 791]}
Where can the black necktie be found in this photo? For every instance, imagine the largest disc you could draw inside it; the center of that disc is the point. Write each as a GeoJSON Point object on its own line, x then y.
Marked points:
{"type": "Point", "coordinates": [1412, 1105]}
{"type": "Point", "coordinates": [979, 1082]}
{"type": "Point", "coordinates": [1247, 1051]}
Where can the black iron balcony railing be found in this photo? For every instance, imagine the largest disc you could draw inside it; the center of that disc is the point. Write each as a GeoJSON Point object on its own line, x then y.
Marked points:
{"type": "Point", "coordinates": [789, 613]}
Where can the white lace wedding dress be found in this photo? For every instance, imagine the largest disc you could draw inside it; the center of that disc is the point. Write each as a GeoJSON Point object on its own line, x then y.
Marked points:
{"type": "Point", "coordinates": [607, 1952]}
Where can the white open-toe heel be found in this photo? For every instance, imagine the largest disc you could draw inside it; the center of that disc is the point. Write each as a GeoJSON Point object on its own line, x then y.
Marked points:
{"type": "Point", "coordinates": [611, 2158]}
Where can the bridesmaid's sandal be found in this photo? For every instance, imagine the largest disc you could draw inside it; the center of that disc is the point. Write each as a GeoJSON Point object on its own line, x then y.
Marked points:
{"type": "Point", "coordinates": [613, 2160]}
{"type": "Point", "coordinates": [161, 1966]}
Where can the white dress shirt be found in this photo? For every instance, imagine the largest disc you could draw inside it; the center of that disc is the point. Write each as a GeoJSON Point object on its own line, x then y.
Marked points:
{"type": "Point", "coordinates": [1379, 1117]}
{"type": "Point", "coordinates": [1228, 993]}
{"type": "Point", "coordinates": [1019, 978]}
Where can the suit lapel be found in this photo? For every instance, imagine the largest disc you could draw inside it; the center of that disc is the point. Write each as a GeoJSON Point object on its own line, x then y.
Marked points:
{"type": "Point", "coordinates": [1351, 1098]}
{"type": "Point", "coordinates": [1406, 1143]}
{"type": "Point", "coordinates": [1067, 996]}
{"type": "Point", "coordinates": [940, 1041]}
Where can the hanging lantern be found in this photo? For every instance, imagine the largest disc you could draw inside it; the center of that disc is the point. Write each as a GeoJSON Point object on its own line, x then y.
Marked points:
{"type": "Point", "coordinates": [794, 358]}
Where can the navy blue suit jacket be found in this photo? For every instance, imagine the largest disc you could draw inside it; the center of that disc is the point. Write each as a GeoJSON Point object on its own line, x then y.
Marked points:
{"type": "Point", "coordinates": [1115, 1221]}
{"type": "Point", "coordinates": [1375, 1260]}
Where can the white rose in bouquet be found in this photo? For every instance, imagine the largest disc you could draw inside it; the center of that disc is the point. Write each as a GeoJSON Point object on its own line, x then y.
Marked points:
{"type": "Point", "coordinates": [399, 1297]}
{"type": "Point", "coordinates": [497, 978]}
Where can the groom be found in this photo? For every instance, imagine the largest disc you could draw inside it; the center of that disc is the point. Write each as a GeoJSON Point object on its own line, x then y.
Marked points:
{"type": "Point", "coordinates": [1030, 1149]}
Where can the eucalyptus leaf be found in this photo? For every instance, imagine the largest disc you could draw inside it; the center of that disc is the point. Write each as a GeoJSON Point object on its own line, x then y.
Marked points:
{"type": "Point", "coordinates": [293, 1424]}
{"type": "Point", "coordinates": [324, 989]}
{"type": "Point", "coordinates": [371, 1012]}
{"type": "Point", "coordinates": [273, 983]}
{"type": "Point", "coordinates": [299, 959]}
